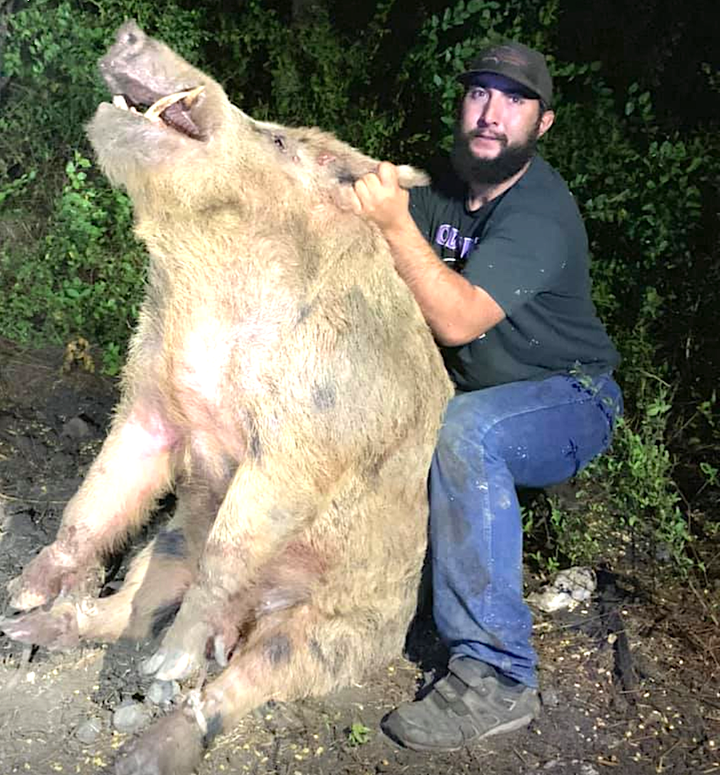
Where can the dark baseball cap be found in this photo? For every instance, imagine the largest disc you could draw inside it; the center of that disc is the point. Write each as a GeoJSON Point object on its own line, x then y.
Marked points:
{"type": "Point", "coordinates": [515, 61]}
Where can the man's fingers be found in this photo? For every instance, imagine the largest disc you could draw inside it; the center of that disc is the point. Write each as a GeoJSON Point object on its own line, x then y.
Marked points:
{"type": "Point", "coordinates": [358, 196]}
{"type": "Point", "coordinates": [367, 190]}
{"type": "Point", "coordinates": [387, 174]}
{"type": "Point", "coordinates": [352, 202]}
{"type": "Point", "coordinates": [360, 186]}
{"type": "Point", "coordinates": [368, 184]}
{"type": "Point", "coordinates": [379, 196]}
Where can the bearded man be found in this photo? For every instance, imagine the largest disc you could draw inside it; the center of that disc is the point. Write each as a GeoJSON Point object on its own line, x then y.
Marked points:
{"type": "Point", "coordinates": [497, 258]}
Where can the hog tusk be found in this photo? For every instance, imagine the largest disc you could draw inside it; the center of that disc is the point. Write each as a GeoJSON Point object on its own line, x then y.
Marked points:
{"type": "Point", "coordinates": [119, 102]}
{"type": "Point", "coordinates": [192, 95]}
{"type": "Point", "coordinates": [189, 96]}
{"type": "Point", "coordinates": [154, 111]}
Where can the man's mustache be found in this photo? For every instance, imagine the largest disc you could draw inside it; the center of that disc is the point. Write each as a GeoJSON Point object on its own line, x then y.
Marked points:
{"type": "Point", "coordinates": [479, 132]}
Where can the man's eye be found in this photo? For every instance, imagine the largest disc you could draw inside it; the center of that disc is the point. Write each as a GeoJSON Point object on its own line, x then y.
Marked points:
{"type": "Point", "coordinates": [516, 99]}
{"type": "Point", "coordinates": [477, 93]}
{"type": "Point", "coordinates": [279, 142]}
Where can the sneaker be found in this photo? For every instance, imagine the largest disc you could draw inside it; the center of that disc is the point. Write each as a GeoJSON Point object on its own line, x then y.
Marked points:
{"type": "Point", "coordinates": [471, 702]}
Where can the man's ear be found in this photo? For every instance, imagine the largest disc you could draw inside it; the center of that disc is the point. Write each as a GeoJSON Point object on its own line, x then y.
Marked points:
{"type": "Point", "coordinates": [546, 121]}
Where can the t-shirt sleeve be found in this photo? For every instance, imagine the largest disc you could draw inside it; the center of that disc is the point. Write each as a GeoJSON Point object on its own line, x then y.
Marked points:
{"type": "Point", "coordinates": [419, 206]}
{"type": "Point", "coordinates": [519, 257]}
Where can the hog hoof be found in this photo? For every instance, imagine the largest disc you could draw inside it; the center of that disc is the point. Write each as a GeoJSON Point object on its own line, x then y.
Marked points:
{"type": "Point", "coordinates": [187, 645]}
{"type": "Point", "coordinates": [24, 599]}
{"type": "Point", "coordinates": [52, 572]}
{"type": "Point", "coordinates": [172, 746]}
{"type": "Point", "coordinates": [171, 664]}
{"type": "Point", "coordinates": [182, 652]}
{"type": "Point", "coordinates": [38, 584]}
{"type": "Point", "coordinates": [56, 629]}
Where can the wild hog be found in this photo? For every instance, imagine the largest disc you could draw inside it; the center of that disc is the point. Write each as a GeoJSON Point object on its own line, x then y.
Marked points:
{"type": "Point", "coordinates": [282, 380]}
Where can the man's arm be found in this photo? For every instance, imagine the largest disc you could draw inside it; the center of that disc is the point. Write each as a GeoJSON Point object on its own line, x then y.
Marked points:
{"type": "Point", "coordinates": [456, 311]}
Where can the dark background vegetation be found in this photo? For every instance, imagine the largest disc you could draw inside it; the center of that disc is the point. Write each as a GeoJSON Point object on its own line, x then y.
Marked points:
{"type": "Point", "coordinates": [636, 137]}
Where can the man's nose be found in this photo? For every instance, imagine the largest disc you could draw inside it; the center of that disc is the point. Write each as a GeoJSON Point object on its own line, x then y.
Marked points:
{"type": "Point", "coordinates": [491, 109]}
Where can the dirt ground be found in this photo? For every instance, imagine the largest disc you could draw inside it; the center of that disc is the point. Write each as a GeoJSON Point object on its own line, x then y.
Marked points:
{"type": "Point", "coordinates": [630, 683]}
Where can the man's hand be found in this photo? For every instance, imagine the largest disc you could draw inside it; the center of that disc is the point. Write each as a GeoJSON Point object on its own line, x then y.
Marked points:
{"type": "Point", "coordinates": [379, 198]}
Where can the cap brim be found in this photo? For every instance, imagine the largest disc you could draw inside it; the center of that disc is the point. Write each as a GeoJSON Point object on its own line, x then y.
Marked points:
{"type": "Point", "coordinates": [466, 78]}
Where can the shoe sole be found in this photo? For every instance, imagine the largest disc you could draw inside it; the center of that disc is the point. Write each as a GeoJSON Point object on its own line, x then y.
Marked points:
{"type": "Point", "coordinates": [510, 726]}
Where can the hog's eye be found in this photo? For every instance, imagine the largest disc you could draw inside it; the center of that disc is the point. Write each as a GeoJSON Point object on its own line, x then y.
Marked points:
{"type": "Point", "coordinates": [279, 142]}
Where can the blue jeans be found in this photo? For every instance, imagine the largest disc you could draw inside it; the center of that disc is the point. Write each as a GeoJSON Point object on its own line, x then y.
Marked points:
{"type": "Point", "coordinates": [522, 434]}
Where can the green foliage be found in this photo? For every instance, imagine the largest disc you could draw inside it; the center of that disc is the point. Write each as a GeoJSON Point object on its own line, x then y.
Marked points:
{"type": "Point", "coordinates": [637, 485]}
{"type": "Point", "coordinates": [14, 188]}
{"type": "Point", "coordinates": [711, 474]}
{"type": "Point", "coordinates": [313, 74]}
{"type": "Point", "coordinates": [358, 734]}
{"type": "Point", "coordinates": [559, 534]}
{"type": "Point", "coordinates": [86, 274]}
{"type": "Point", "coordinates": [639, 490]}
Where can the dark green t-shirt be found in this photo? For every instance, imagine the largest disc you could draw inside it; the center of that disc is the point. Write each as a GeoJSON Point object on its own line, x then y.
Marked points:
{"type": "Point", "coordinates": [528, 249]}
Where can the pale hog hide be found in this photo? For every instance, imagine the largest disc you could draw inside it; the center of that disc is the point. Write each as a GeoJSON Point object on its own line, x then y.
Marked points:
{"type": "Point", "coordinates": [282, 381]}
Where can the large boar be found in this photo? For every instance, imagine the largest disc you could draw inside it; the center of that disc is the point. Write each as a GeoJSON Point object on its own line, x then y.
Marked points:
{"type": "Point", "coordinates": [282, 380]}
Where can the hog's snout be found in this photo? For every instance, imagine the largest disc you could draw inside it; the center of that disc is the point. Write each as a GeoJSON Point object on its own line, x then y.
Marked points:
{"type": "Point", "coordinates": [130, 38]}
{"type": "Point", "coordinates": [129, 44]}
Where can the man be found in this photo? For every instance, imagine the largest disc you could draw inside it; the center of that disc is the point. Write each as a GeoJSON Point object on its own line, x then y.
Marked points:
{"type": "Point", "coordinates": [497, 260]}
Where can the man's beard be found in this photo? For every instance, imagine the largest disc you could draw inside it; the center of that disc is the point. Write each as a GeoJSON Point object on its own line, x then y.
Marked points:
{"type": "Point", "coordinates": [490, 172]}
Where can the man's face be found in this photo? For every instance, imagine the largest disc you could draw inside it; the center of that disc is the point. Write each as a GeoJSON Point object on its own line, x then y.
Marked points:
{"type": "Point", "coordinates": [497, 130]}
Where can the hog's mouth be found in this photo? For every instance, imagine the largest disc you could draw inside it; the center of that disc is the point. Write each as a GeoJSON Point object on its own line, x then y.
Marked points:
{"type": "Point", "coordinates": [171, 110]}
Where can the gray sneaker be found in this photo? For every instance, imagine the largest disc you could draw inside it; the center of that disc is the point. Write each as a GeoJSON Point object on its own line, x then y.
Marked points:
{"type": "Point", "coordinates": [471, 702]}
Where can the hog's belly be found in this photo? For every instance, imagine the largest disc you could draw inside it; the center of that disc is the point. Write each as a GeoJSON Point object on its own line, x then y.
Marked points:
{"type": "Point", "coordinates": [201, 367]}
{"type": "Point", "coordinates": [199, 385]}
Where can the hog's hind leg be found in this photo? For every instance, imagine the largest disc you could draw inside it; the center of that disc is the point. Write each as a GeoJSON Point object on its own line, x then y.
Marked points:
{"type": "Point", "coordinates": [160, 578]}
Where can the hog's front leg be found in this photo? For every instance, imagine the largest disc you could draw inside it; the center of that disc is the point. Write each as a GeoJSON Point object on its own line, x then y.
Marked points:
{"type": "Point", "coordinates": [263, 509]}
{"type": "Point", "coordinates": [131, 471]}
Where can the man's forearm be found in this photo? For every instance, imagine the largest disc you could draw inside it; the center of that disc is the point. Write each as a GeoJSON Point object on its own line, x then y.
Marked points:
{"type": "Point", "coordinates": [456, 311]}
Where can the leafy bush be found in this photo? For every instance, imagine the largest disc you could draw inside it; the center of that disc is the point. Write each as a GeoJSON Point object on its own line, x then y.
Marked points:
{"type": "Point", "coordinates": [77, 281]}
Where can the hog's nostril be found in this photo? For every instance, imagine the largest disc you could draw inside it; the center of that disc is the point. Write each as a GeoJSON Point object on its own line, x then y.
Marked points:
{"type": "Point", "coordinates": [130, 35]}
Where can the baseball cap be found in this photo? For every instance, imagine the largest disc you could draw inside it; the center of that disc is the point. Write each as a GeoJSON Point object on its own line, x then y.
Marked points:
{"type": "Point", "coordinates": [517, 62]}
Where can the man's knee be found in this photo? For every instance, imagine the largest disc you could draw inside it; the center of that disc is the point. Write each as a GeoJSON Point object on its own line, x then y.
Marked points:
{"type": "Point", "coordinates": [468, 420]}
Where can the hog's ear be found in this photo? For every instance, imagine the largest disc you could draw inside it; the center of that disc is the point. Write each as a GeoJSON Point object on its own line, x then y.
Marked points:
{"type": "Point", "coordinates": [409, 177]}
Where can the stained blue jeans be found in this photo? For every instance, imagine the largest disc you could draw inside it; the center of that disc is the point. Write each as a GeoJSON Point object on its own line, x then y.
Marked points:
{"type": "Point", "coordinates": [522, 434]}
